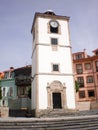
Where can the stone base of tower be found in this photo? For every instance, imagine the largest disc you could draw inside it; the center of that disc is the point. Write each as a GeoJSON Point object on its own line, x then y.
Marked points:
{"type": "Point", "coordinates": [54, 112]}
{"type": "Point", "coordinates": [54, 97]}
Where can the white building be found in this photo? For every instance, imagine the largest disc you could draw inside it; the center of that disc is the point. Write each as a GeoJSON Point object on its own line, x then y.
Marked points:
{"type": "Point", "coordinates": [52, 74]}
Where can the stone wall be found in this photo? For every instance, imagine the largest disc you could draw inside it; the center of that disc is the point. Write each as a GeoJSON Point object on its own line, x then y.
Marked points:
{"type": "Point", "coordinates": [4, 111]}
{"type": "Point", "coordinates": [82, 106]}
{"type": "Point", "coordinates": [19, 103]}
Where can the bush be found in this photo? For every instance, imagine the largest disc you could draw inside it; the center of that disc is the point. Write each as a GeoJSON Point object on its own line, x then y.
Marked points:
{"type": "Point", "coordinates": [77, 86]}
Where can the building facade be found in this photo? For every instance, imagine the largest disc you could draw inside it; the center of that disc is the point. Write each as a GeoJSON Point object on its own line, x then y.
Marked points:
{"type": "Point", "coordinates": [8, 87]}
{"type": "Point", "coordinates": [23, 83]}
{"type": "Point", "coordinates": [52, 73]}
{"type": "Point", "coordinates": [15, 84]}
{"type": "Point", "coordinates": [86, 74]}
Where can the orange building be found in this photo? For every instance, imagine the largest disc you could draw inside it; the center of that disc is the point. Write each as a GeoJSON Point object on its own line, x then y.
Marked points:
{"type": "Point", "coordinates": [1, 75]}
{"type": "Point", "coordinates": [86, 74]}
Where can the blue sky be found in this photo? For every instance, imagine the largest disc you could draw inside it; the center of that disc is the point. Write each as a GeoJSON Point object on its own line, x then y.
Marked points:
{"type": "Point", "coordinates": [16, 17]}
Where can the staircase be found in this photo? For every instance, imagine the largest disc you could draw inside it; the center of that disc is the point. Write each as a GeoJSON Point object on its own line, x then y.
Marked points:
{"type": "Point", "coordinates": [69, 113]}
{"type": "Point", "coordinates": [58, 123]}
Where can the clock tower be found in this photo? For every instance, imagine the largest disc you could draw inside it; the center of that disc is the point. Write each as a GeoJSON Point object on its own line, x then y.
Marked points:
{"type": "Point", "coordinates": [52, 73]}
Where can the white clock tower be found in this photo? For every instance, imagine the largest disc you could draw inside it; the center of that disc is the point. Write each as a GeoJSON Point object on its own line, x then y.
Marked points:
{"type": "Point", "coordinates": [52, 73]}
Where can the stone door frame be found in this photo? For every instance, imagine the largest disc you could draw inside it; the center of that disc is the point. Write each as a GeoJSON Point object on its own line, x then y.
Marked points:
{"type": "Point", "coordinates": [56, 87]}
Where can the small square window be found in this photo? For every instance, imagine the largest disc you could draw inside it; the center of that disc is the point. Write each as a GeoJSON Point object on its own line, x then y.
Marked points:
{"type": "Point", "coordinates": [91, 93]}
{"type": "Point", "coordinates": [53, 30]}
{"type": "Point", "coordinates": [54, 41]}
{"type": "Point", "coordinates": [79, 56]}
{"type": "Point", "coordinates": [87, 66]}
{"type": "Point", "coordinates": [89, 79]}
{"type": "Point", "coordinates": [82, 94]}
{"type": "Point", "coordinates": [55, 67]}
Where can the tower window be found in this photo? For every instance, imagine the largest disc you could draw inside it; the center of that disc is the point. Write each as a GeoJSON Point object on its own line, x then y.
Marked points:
{"type": "Point", "coordinates": [53, 30]}
{"type": "Point", "coordinates": [54, 41]}
{"type": "Point", "coordinates": [54, 26]}
{"type": "Point", "coordinates": [55, 67]}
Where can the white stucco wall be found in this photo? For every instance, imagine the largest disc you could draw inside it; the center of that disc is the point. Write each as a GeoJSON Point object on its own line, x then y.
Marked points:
{"type": "Point", "coordinates": [47, 57]}
{"type": "Point", "coordinates": [43, 31]}
{"type": "Point", "coordinates": [44, 79]}
{"type": "Point", "coordinates": [43, 58]}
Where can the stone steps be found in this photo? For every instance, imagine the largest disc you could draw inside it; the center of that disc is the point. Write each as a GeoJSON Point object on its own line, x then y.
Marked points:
{"type": "Point", "coordinates": [60, 123]}
{"type": "Point", "coordinates": [61, 112]}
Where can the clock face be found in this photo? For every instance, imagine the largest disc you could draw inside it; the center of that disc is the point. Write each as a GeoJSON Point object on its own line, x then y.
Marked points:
{"type": "Point", "coordinates": [54, 24]}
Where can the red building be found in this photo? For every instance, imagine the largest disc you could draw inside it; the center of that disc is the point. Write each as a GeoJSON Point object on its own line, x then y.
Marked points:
{"type": "Point", "coordinates": [86, 74]}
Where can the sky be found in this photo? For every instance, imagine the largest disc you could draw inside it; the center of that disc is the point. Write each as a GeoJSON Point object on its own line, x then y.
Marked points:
{"type": "Point", "coordinates": [16, 18]}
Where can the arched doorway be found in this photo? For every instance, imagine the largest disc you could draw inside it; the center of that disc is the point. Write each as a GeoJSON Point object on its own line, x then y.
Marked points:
{"type": "Point", "coordinates": [56, 92]}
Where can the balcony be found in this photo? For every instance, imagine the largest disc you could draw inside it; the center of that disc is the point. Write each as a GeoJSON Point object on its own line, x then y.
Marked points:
{"type": "Point", "coordinates": [23, 76]}
{"type": "Point", "coordinates": [20, 81]}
